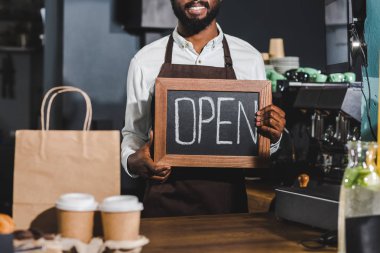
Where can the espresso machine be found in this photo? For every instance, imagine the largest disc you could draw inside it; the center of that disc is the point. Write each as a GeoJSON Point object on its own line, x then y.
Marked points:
{"type": "Point", "coordinates": [331, 116]}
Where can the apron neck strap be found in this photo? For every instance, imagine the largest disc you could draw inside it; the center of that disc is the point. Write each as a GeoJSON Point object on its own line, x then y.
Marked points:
{"type": "Point", "coordinates": [226, 49]}
{"type": "Point", "coordinates": [169, 50]}
{"type": "Point", "coordinates": [227, 54]}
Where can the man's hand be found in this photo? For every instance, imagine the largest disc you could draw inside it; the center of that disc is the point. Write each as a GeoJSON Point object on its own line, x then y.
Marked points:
{"type": "Point", "coordinates": [271, 121]}
{"type": "Point", "coordinates": [141, 163]}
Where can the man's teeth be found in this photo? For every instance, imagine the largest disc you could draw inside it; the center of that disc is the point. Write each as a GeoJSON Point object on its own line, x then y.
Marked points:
{"type": "Point", "coordinates": [197, 8]}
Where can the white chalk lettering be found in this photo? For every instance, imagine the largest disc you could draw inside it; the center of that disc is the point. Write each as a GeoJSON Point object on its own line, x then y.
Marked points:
{"type": "Point", "coordinates": [252, 132]}
{"type": "Point", "coordinates": [201, 120]}
{"type": "Point", "coordinates": [218, 122]}
{"type": "Point", "coordinates": [177, 120]}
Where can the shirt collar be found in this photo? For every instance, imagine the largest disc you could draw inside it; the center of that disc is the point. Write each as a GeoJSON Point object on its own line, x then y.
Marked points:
{"type": "Point", "coordinates": [183, 43]}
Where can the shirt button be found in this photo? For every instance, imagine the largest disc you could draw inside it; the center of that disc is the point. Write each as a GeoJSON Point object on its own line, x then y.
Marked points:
{"type": "Point", "coordinates": [199, 61]}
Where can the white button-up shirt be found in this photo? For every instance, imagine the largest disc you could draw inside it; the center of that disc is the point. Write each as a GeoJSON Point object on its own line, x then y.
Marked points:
{"type": "Point", "coordinates": [145, 67]}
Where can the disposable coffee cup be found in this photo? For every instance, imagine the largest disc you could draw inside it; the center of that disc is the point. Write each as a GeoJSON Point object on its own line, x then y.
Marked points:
{"type": "Point", "coordinates": [276, 48]}
{"type": "Point", "coordinates": [76, 216]}
{"type": "Point", "coordinates": [121, 218]}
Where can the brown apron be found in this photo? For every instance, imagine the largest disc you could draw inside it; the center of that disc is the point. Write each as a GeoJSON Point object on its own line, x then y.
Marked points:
{"type": "Point", "coordinates": [196, 191]}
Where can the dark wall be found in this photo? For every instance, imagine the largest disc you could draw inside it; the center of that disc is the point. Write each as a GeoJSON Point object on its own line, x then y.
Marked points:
{"type": "Point", "coordinates": [300, 23]}
{"type": "Point", "coordinates": [96, 56]}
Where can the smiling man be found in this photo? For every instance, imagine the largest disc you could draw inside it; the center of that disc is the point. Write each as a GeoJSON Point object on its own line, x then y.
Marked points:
{"type": "Point", "coordinates": [197, 48]}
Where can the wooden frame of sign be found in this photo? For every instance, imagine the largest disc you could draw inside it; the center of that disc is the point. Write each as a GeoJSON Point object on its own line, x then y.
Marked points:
{"type": "Point", "coordinates": [166, 85]}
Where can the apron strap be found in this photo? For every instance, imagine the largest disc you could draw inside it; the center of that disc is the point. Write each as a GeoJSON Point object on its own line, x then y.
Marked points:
{"type": "Point", "coordinates": [226, 49]}
{"type": "Point", "coordinates": [169, 50]}
{"type": "Point", "coordinates": [227, 54]}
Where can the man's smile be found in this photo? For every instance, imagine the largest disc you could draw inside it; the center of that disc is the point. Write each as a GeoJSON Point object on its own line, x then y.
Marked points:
{"type": "Point", "coordinates": [197, 9]}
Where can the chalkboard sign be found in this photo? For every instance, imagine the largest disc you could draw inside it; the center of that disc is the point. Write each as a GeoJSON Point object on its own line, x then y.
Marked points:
{"type": "Point", "coordinates": [210, 123]}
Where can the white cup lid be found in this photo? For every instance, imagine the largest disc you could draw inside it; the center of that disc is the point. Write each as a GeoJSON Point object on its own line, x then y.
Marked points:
{"type": "Point", "coordinates": [76, 202]}
{"type": "Point", "coordinates": [126, 203]}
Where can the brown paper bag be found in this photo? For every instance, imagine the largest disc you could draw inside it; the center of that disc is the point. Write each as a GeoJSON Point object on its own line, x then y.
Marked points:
{"type": "Point", "coordinates": [50, 163]}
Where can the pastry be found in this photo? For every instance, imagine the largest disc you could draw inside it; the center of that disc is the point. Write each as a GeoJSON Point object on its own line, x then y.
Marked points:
{"type": "Point", "coordinates": [7, 226]}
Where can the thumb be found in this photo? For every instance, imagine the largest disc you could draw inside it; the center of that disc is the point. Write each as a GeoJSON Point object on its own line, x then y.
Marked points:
{"type": "Point", "coordinates": [149, 143]}
{"type": "Point", "coordinates": [150, 138]}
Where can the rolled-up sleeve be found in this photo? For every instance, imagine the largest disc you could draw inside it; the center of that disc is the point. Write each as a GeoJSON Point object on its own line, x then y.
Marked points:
{"type": "Point", "coordinates": [137, 114]}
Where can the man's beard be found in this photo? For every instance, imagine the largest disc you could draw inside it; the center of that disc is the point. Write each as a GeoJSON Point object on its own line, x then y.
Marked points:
{"type": "Point", "coordinates": [195, 25]}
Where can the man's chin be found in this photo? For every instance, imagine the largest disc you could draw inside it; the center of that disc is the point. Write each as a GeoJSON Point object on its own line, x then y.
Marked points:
{"type": "Point", "coordinates": [196, 20]}
{"type": "Point", "coordinates": [193, 29]}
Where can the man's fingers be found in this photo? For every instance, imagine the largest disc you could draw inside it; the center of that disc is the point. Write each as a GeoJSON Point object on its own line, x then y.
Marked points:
{"type": "Point", "coordinates": [276, 109]}
{"type": "Point", "coordinates": [270, 108]}
{"type": "Point", "coordinates": [150, 138]}
{"type": "Point", "coordinates": [161, 178]}
{"type": "Point", "coordinates": [272, 120]}
{"type": "Point", "coordinates": [271, 123]}
{"type": "Point", "coordinates": [167, 176]}
{"type": "Point", "coordinates": [277, 124]}
{"type": "Point", "coordinates": [272, 114]}
{"type": "Point", "coordinates": [149, 143]}
{"type": "Point", "coordinates": [164, 172]}
{"type": "Point", "coordinates": [141, 162]}
{"type": "Point", "coordinates": [274, 134]}
{"type": "Point", "coordinates": [155, 169]}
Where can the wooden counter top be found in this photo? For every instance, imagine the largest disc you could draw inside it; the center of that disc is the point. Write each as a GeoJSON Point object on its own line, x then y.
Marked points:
{"type": "Point", "coordinates": [226, 233]}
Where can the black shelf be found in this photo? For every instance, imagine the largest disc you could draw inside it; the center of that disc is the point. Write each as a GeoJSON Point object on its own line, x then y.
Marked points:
{"type": "Point", "coordinates": [26, 16]}
{"type": "Point", "coordinates": [14, 49]}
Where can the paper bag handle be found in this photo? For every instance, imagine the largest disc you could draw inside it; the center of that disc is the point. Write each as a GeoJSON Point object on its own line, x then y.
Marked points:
{"type": "Point", "coordinates": [49, 98]}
